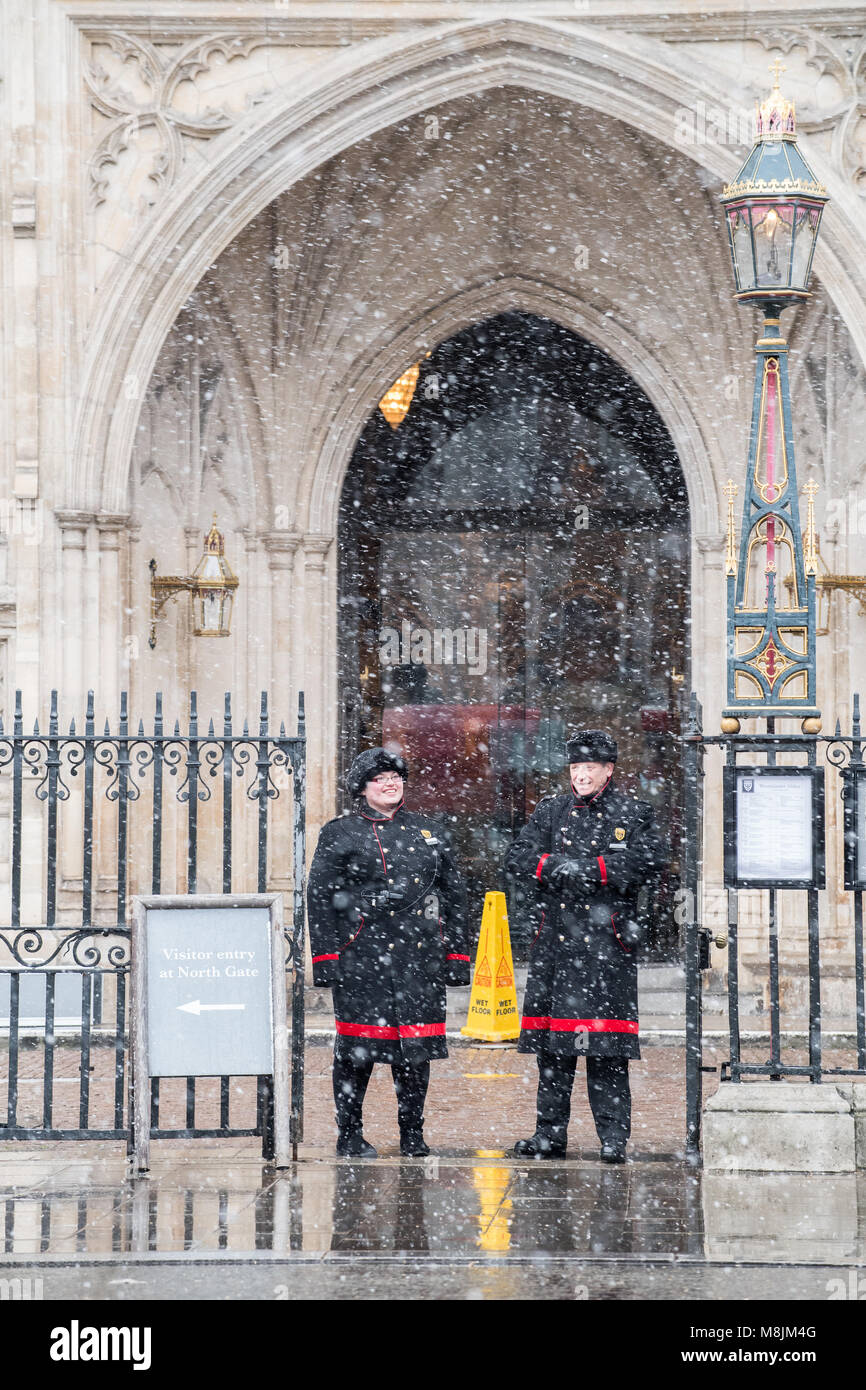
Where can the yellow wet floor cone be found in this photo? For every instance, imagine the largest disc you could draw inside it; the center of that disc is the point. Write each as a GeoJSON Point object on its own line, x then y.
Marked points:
{"type": "Point", "coordinates": [493, 1013]}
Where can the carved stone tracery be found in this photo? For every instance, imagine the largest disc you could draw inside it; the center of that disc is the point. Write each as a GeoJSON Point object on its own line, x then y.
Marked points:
{"type": "Point", "coordinates": [845, 61]}
{"type": "Point", "coordinates": [160, 70]}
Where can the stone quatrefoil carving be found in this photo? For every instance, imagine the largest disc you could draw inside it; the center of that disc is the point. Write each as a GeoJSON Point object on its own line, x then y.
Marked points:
{"type": "Point", "coordinates": [159, 71]}
{"type": "Point", "coordinates": [843, 59]}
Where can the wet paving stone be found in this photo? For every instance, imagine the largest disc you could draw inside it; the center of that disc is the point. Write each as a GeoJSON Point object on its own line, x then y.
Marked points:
{"type": "Point", "coordinates": [212, 1220]}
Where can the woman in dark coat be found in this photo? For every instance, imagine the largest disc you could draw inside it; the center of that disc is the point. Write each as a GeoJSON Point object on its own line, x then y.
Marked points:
{"type": "Point", "coordinates": [388, 929]}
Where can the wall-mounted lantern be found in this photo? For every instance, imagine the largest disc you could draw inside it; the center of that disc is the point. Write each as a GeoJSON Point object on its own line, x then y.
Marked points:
{"type": "Point", "coordinates": [211, 588]}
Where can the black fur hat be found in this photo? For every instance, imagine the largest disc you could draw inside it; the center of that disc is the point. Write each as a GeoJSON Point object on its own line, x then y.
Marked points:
{"type": "Point", "coordinates": [591, 746]}
{"type": "Point", "coordinates": [369, 764]}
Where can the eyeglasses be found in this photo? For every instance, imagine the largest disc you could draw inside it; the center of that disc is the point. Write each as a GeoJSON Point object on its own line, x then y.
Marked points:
{"type": "Point", "coordinates": [386, 779]}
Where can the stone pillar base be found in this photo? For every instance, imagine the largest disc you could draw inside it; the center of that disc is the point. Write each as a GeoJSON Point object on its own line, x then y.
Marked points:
{"type": "Point", "coordinates": [854, 1093]}
{"type": "Point", "coordinates": [781, 1127]}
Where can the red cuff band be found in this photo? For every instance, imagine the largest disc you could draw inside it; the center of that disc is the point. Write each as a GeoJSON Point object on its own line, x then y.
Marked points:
{"type": "Point", "coordinates": [602, 869]}
{"type": "Point", "coordinates": [541, 865]}
{"type": "Point", "coordinates": [454, 956]}
{"type": "Point", "coordinates": [316, 959]}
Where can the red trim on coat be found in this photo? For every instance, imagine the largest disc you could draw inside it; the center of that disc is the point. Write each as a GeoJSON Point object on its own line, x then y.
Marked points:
{"type": "Point", "coordinates": [602, 869]}
{"type": "Point", "coordinates": [355, 937]}
{"type": "Point", "coordinates": [381, 851]}
{"type": "Point", "coordinates": [404, 1030]}
{"type": "Point", "coordinates": [573, 1025]}
{"type": "Point", "coordinates": [541, 865]}
{"type": "Point", "coordinates": [455, 956]}
{"type": "Point", "coordinates": [364, 1030]}
{"type": "Point", "coordinates": [540, 925]}
{"type": "Point", "coordinates": [580, 804]}
{"type": "Point", "coordinates": [316, 959]}
{"type": "Point", "coordinates": [628, 949]}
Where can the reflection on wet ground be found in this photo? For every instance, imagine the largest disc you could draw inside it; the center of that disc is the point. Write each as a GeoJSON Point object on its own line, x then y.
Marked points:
{"type": "Point", "coordinates": [200, 1202]}
{"type": "Point", "coordinates": [211, 1221]}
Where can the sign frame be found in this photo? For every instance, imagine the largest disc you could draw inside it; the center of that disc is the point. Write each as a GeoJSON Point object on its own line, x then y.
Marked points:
{"type": "Point", "coordinates": [139, 1072]}
{"type": "Point", "coordinates": [815, 776]}
{"type": "Point", "coordinates": [854, 795]}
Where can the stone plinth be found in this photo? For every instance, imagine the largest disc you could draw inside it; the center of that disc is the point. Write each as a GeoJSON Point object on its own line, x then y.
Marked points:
{"type": "Point", "coordinates": [778, 1126]}
{"type": "Point", "coordinates": [798, 1217]}
{"type": "Point", "coordinates": [854, 1093]}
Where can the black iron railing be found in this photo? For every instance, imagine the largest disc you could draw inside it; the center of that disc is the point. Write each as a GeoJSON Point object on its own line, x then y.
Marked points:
{"type": "Point", "coordinates": [842, 754]}
{"type": "Point", "coordinates": [94, 818]}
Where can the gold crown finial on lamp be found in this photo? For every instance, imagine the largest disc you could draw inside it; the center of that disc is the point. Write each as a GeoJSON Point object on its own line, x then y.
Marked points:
{"type": "Point", "coordinates": [775, 115]}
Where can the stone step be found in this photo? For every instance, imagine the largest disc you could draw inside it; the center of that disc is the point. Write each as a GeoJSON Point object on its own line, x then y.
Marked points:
{"type": "Point", "coordinates": [661, 977]}
{"type": "Point", "coordinates": [661, 1001]}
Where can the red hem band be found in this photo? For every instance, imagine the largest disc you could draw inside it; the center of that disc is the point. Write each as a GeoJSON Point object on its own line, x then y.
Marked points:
{"type": "Point", "coordinates": [405, 1030]}
{"type": "Point", "coordinates": [541, 865]}
{"type": "Point", "coordinates": [316, 959]}
{"type": "Point", "coordinates": [574, 1025]}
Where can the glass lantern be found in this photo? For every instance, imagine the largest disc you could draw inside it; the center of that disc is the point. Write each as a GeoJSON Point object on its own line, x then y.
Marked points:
{"type": "Point", "coordinates": [773, 210]}
{"type": "Point", "coordinates": [212, 589]}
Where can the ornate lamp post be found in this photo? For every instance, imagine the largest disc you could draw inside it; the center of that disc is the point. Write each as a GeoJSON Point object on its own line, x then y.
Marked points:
{"type": "Point", "coordinates": [773, 210]}
{"type": "Point", "coordinates": [211, 588]}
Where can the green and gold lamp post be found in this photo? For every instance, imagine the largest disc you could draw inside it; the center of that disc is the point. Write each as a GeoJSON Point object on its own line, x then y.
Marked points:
{"type": "Point", "coordinates": [773, 211]}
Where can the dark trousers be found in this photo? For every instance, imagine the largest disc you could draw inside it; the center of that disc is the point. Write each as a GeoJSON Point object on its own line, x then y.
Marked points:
{"type": "Point", "coordinates": [607, 1087]}
{"type": "Point", "coordinates": [350, 1087]}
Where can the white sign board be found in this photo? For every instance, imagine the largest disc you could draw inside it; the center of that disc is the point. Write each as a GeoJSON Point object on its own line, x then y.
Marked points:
{"type": "Point", "coordinates": [208, 999]}
{"type": "Point", "coordinates": [774, 826]}
{"type": "Point", "coordinates": [209, 992]}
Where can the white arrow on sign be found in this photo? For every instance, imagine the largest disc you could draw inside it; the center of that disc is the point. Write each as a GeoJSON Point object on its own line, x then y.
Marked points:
{"type": "Point", "coordinates": [195, 1006]}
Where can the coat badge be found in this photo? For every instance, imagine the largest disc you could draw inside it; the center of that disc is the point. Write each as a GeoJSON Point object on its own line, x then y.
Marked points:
{"type": "Point", "coordinates": [619, 833]}
{"type": "Point", "coordinates": [428, 834]}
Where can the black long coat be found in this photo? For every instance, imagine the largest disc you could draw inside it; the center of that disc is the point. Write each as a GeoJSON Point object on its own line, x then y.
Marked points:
{"type": "Point", "coordinates": [388, 928]}
{"type": "Point", "coordinates": [581, 989]}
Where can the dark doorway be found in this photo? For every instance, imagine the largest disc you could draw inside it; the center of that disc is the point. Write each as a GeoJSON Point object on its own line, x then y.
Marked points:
{"type": "Point", "coordinates": [514, 565]}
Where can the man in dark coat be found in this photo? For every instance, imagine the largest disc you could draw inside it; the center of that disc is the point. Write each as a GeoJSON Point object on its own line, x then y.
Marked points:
{"type": "Point", "coordinates": [589, 850]}
{"type": "Point", "coordinates": [388, 929]}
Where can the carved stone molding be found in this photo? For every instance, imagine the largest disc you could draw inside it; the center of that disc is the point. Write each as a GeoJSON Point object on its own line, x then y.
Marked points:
{"type": "Point", "coordinates": [160, 71]}
{"type": "Point", "coordinates": [281, 547]}
{"type": "Point", "coordinates": [316, 549]}
{"type": "Point", "coordinates": [710, 547]}
{"type": "Point", "coordinates": [845, 61]}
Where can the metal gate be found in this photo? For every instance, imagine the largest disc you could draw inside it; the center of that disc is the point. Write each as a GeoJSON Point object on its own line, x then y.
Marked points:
{"type": "Point", "coordinates": [92, 819]}
{"type": "Point", "coordinates": [841, 756]}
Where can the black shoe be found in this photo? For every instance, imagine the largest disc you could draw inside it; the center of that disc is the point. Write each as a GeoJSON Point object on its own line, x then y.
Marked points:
{"type": "Point", "coordinates": [540, 1146]}
{"type": "Point", "coordinates": [613, 1153]}
{"type": "Point", "coordinates": [412, 1144]}
{"type": "Point", "coordinates": [352, 1144]}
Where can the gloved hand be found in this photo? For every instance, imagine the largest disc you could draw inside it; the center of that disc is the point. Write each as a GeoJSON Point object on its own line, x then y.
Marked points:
{"type": "Point", "coordinates": [563, 872]}
{"type": "Point", "coordinates": [457, 972]}
{"type": "Point", "coordinates": [326, 973]}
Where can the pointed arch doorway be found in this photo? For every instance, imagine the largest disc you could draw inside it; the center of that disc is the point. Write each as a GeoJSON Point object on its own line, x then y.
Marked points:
{"type": "Point", "coordinates": [513, 564]}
